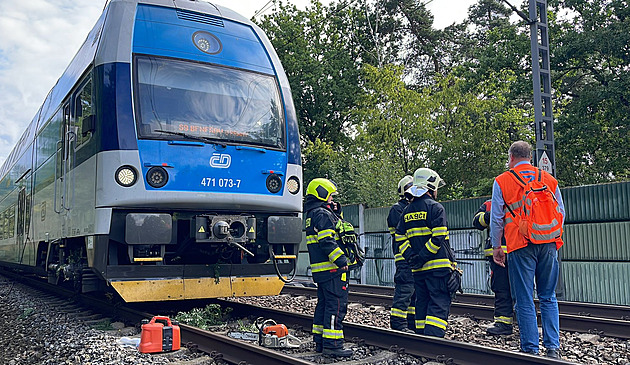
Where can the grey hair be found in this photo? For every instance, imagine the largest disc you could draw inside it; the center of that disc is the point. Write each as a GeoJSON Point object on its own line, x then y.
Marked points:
{"type": "Point", "coordinates": [520, 149]}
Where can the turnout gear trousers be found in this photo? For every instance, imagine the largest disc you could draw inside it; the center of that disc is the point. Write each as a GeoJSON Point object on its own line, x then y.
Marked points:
{"type": "Point", "coordinates": [404, 306]}
{"type": "Point", "coordinates": [332, 305]}
{"type": "Point", "coordinates": [433, 302]}
{"type": "Point", "coordinates": [500, 285]}
{"type": "Point", "coordinates": [403, 310]}
{"type": "Point", "coordinates": [499, 279]}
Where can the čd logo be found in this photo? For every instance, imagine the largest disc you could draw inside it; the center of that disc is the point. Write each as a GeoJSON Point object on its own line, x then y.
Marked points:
{"type": "Point", "coordinates": [220, 160]}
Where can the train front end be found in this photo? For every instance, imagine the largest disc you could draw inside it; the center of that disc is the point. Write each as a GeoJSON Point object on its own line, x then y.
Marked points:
{"type": "Point", "coordinates": [202, 195]}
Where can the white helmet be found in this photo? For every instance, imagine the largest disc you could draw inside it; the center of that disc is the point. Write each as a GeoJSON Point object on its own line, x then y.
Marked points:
{"type": "Point", "coordinates": [404, 184]}
{"type": "Point", "coordinates": [425, 179]}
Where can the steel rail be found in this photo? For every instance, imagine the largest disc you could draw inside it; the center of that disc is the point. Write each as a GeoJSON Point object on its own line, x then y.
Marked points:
{"type": "Point", "coordinates": [608, 320]}
{"type": "Point", "coordinates": [450, 352]}
{"type": "Point", "coordinates": [231, 350]}
{"type": "Point", "coordinates": [235, 351]}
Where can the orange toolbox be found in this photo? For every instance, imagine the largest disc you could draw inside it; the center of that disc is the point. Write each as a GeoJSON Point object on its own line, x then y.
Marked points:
{"type": "Point", "coordinates": [159, 335]}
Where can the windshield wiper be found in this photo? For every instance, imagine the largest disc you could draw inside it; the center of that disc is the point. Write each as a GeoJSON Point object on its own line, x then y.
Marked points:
{"type": "Point", "coordinates": [198, 138]}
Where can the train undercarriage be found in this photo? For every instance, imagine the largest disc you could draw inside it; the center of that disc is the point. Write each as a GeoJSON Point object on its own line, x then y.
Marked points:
{"type": "Point", "coordinates": [162, 256]}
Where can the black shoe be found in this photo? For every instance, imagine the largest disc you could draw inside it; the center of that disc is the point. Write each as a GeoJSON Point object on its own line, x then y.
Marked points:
{"type": "Point", "coordinates": [319, 347]}
{"type": "Point", "coordinates": [529, 352]}
{"type": "Point", "coordinates": [407, 330]}
{"type": "Point", "coordinates": [499, 329]}
{"type": "Point", "coordinates": [341, 352]}
{"type": "Point", "coordinates": [553, 353]}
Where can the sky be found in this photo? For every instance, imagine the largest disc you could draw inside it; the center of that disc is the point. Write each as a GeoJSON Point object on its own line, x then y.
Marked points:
{"type": "Point", "coordinates": [38, 39]}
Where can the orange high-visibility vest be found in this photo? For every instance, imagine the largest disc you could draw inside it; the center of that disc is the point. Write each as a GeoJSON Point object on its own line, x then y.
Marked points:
{"type": "Point", "coordinates": [513, 197]}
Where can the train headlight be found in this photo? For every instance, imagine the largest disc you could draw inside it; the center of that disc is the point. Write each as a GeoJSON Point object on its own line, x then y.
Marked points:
{"type": "Point", "coordinates": [157, 177]}
{"type": "Point", "coordinates": [207, 42]}
{"type": "Point", "coordinates": [274, 184]}
{"type": "Point", "coordinates": [126, 176]}
{"type": "Point", "coordinates": [293, 185]}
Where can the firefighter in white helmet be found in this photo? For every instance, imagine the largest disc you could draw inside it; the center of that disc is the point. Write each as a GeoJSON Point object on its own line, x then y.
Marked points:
{"type": "Point", "coordinates": [422, 238]}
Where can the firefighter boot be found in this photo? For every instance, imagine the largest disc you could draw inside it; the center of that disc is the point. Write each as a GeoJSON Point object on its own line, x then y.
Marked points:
{"type": "Point", "coordinates": [499, 328]}
{"type": "Point", "coordinates": [319, 347]}
{"type": "Point", "coordinates": [341, 352]}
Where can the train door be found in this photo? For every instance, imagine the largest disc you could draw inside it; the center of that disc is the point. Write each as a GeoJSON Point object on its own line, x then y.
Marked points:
{"type": "Point", "coordinates": [76, 138]}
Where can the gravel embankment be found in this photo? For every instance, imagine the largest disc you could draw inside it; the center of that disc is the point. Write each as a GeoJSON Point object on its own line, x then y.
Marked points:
{"type": "Point", "coordinates": [34, 332]}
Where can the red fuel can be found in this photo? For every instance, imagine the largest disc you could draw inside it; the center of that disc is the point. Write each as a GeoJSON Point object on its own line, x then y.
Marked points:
{"type": "Point", "coordinates": [159, 335]}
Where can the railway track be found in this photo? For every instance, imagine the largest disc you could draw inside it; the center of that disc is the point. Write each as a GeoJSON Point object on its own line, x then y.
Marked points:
{"type": "Point", "coordinates": [607, 320]}
{"type": "Point", "coordinates": [445, 351]}
{"type": "Point", "coordinates": [238, 352]}
{"type": "Point", "coordinates": [217, 346]}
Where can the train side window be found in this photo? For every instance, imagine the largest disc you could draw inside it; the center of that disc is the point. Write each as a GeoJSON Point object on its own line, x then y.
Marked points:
{"type": "Point", "coordinates": [11, 221]}
{"type": "Point", "coordinates": [49, 139]}
{"type": "Point", "coordinates": [84, 114]}
{"type": "Point", "coordinates": [21, 212]}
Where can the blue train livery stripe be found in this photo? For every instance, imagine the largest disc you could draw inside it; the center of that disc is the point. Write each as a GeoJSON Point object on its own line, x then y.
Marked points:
{"type": "Point", "coordinates": [115, 111]}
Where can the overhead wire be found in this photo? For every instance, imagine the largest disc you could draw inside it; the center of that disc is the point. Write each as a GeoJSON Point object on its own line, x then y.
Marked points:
{"type": "Point", "coordinates": [263, 9]}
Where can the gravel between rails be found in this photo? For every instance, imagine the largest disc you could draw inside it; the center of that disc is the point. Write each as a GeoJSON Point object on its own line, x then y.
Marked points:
{"type": "Point", "coordinates": [575, 347]}
{"type": "Point", "coordinates": [34, 331]}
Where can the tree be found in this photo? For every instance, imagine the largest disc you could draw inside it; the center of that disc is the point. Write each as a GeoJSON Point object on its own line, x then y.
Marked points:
{"type": "Point", "coordinates": [322, 62]}
{"type": "Point", "coordinates": [591, 62]}
{"type": "Point", "coordinates": [474, 130]}
{"type": "Point", "coordinates": [462, 134]}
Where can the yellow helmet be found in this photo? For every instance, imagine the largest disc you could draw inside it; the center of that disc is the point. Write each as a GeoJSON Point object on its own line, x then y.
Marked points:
{"type": "Point", "coordinates": [321, 188]}
{"type": "Point", "coordinates": [404, 184]}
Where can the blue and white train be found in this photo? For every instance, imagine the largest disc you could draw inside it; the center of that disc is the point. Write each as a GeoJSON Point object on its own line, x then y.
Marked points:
{"type": "Point", "coordinates": [165, 162]}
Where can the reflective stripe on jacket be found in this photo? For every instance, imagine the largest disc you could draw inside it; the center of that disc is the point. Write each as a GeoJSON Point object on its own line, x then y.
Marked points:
{"type": "Point", "coordinates": [325, 255]}
{"type": "Point", "coordinates": [422, 236]}
{"type": "Point", "coordinates": [395, 212]}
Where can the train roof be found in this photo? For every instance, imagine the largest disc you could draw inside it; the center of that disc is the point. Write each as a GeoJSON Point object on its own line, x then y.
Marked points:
{"type": "Point", "coordinates": [117, 18]}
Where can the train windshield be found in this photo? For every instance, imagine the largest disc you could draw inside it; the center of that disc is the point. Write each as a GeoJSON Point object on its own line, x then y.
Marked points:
{"type": "Point", "coordinates": [192, 101]}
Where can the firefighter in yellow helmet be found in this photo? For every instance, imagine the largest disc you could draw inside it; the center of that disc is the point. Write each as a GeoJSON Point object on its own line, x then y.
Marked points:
{"type": "Point", "coordinates": [422, 238]}
{"type": "Point", "coordinates": [329, 265]}
{"type": "Point", "coordinates": [402, 315]}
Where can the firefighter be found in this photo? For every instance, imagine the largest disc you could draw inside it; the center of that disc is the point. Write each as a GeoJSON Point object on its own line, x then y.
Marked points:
{"type": "Point", "coordinates": [402, 316]}
{"type": "Point", "coordinates": [329, 266]}
{"type": "Point", "coordinates": [422, 238]}
{"type": "Point", "coordinates": [499, 280]}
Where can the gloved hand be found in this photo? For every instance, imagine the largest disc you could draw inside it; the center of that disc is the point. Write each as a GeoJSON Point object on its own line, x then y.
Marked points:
{"type": "Point", "coordinates": [454, 283]}
{"type": "Point", "coordinates": [415, 261]}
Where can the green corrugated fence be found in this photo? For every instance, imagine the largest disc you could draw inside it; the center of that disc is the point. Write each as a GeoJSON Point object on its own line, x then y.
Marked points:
{"type": "Point", "coordinates": [596, 254]}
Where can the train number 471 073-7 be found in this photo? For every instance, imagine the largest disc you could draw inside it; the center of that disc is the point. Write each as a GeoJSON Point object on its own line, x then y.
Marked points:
{"type": "Point", "coordinates": [213, 182]}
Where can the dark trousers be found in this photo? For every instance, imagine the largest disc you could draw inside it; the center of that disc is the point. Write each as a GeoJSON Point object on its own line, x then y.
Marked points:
{"type": "Point", "coordinates": [433, 303]}
{"type": "Point", "coordinates": [332, 305]}
{"type": "Point", "coordinates": [500, 285]}
{"type": "Point", "coordinates": [403, 310]}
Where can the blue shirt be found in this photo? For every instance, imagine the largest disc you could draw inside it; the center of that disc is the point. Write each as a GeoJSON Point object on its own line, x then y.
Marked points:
{"type": "Point", "coordinates": [497, 213]}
